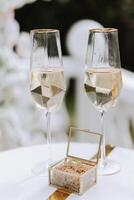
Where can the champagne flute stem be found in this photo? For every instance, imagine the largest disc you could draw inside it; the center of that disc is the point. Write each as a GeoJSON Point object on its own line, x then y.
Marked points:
{"type": "Point", "coordinates": [103, 153]}
{"type": "Point", "coordinates": [49, 139]}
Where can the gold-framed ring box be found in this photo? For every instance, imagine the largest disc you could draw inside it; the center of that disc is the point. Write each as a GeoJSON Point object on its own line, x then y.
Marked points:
{"type": "Point", "coordinates": [77, 172]}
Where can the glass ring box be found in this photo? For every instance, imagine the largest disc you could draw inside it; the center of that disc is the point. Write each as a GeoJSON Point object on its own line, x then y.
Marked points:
{"type": "Point", "coordinates": [77, 172]}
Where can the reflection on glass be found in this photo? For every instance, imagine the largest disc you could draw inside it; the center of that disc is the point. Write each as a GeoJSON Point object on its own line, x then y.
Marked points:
{"type": "Point", "coordinates": [103, 80]}
{"type": "Point", "coordinates": [47, 82]}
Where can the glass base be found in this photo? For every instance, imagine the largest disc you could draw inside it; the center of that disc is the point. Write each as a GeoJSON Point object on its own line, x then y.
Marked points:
{"type": "Point", "coordinates": [108, 167]}
{"type": "Point", "coordinates": [41, 168]}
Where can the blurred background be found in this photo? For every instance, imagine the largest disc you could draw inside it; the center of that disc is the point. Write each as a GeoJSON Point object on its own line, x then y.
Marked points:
{"type": "Point", "coordinates": [21, 123]}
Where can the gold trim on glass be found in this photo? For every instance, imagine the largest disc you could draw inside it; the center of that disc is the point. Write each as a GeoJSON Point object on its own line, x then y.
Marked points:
{"type": "Point", "coordinates": [89, 132]}
{"type": "Point", "coordinates": [103, 30]}
{"type": "Point", "coordinates": [62, 195]}
{"type": "Point", "coordinates": [44, 31]}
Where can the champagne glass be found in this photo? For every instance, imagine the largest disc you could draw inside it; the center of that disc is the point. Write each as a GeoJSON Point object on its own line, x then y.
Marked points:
{"type": "Point", "coordinates": [47, 83]}
{"type": "Point", "coordinates": [103, 81]}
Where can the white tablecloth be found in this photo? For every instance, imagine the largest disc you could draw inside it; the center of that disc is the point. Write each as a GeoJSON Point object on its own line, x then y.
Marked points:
{"type": "Point", "coordinates": [17, 182]}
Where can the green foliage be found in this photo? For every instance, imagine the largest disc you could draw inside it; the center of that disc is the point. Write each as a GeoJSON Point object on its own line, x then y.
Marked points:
{"type": "Point", "coordinates": [61, 14]}
{"type": "Point", "coordinates": [131, 129]}
{"type": "Point", "coordinates": [70, 100]}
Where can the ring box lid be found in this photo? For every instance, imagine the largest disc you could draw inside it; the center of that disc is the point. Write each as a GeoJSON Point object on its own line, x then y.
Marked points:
{"type": "Point", "coordinates": [89, 145]}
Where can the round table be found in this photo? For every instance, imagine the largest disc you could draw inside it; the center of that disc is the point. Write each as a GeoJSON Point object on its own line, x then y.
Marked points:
{"type": "Point", "coordinates": [18, 183]}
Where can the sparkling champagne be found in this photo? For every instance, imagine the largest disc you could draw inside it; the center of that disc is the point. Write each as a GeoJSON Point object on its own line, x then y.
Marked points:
{"type": "Point", "coordinates": [102, 86]}
{"type": "Point", "coordinates": [47, 87]}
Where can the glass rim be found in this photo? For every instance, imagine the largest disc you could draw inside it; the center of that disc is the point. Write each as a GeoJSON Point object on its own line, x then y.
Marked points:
{"type": "Point", "coordinates": [103, 30]}
{"type": "Point", "coordinates": [44, 30]}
